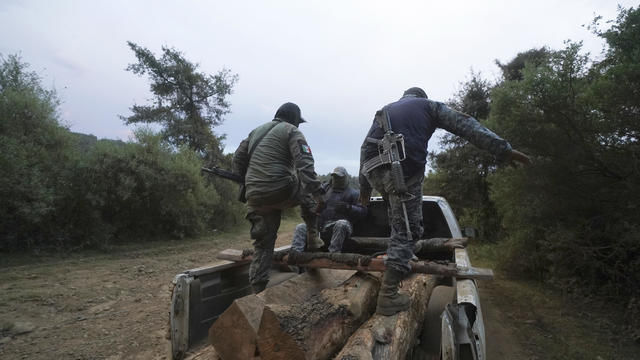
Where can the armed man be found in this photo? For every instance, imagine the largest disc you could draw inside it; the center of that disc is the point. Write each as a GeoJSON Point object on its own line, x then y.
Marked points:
{"type": "Point", "coordinates": [341, 210]}
{"type": "Point", "coordinates": [392, 160]}
{"type": "Point", "coordinates": [278, 169]}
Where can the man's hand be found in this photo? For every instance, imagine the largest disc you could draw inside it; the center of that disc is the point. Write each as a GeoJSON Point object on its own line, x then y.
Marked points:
{"type": "Point", "coordinates": [365, 197]}
{"type": "Point", "coordinates": [321, 203]}
{"type": "Point", "coordinates": [517, 156]}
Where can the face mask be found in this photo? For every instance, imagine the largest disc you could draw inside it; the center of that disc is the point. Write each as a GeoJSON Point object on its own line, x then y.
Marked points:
{"type": "Point", "coordinates": [339, 182]}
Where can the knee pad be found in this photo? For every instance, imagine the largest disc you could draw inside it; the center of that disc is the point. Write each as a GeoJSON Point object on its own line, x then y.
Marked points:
{"type": "Point", "coordinates": [259, 227]}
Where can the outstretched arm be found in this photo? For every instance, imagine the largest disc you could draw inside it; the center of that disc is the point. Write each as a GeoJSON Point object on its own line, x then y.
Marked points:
{"type": "Point", "coordinates": [471, 130]}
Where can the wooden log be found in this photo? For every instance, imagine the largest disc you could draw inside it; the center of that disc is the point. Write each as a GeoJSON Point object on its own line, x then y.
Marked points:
{"type": "Point", "coordinates": [317, 328]}
{"type": "Point", "coordinates": [392, 337]}
{"type": "Point", "coordinates": [360, 262]}
{"type": "Point", "coordinates": [234, 333]}
{"type": "Point", "coordinates": [422, 248]}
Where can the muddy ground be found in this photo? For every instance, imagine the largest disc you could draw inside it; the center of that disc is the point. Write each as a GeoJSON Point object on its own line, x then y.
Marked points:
{"type": "Point", "coordinates": [92, 305]}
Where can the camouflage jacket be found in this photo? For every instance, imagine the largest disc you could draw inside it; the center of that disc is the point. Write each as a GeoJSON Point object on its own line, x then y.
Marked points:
{"type": "Point", "coordinates": [417, 118]}
{"type": "Point", "coordinates": [281, 155]}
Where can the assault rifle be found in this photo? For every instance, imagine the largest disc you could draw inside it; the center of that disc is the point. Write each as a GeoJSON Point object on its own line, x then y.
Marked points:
{"type": "Point", "coordinates": [226, 174]}
{"type": "Point", "coordinates": [391, 144]}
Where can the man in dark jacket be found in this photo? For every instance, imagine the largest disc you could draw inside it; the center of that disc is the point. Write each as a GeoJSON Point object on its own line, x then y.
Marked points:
{"type": "Point", "coordinates": [416, 118]}
{"type": "Point", "coordinates": [336, 220]}
{"type": "Point", "coordinates": [278, 169]}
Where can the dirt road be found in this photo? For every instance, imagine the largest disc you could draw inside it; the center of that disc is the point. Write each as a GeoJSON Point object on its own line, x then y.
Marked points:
{"type": "Point", "coordinates": [115, 306]}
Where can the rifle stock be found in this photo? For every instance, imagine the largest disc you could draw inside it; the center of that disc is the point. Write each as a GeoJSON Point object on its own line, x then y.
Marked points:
{"type": "Point", "coordinates": [229, 176]}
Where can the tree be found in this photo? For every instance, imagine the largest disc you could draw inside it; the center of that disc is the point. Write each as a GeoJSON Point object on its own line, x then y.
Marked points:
{"type": "Point", "coordinates": [513, 69]}
{"type": "Point", "coordinates": [574, 213]}
{"type": "Point", "coordinates": [461, 169]}
{"type": "Point", "coordinates": [34, 153]}
{"type": "Point", "coordinates": [187, 103]}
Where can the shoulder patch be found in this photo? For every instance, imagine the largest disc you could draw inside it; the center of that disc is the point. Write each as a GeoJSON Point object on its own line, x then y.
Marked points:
{"type": "Point", "coordinates": [305, 149]}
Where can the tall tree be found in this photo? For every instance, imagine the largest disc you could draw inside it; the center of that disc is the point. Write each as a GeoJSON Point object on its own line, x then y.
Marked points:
{"type": "Point", "coordinates": [187, 103]}
{"type": "Point", "coordinates": [34, 151]}
{"type": "Point", "coordinates": [574, 213]}
{"type": "Point", "coordinates": [461, 169]}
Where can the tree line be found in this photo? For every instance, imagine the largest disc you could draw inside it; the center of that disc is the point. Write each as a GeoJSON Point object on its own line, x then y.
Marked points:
{"type": "Point", "coordinates": [63, 190]}
{"type": "Point", "coordinates": [573, 217]}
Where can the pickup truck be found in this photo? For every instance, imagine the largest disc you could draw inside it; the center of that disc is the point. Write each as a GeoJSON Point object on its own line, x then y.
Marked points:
{"type": "Point", "coordinates": [453, 327]}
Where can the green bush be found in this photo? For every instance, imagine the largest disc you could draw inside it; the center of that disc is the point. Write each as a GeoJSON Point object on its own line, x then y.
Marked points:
{"type": "Point", "coordinates": [34, 152]}
{"type": "Point", "coordinates": [63, 190]}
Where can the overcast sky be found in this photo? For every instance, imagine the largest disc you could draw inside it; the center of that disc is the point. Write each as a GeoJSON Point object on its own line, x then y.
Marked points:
{"type": "Point", "coordinates": [338, 60]}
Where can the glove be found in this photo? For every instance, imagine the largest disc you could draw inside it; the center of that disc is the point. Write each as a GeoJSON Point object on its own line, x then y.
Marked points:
{"type": "Point", "coordinates": [365, 197]}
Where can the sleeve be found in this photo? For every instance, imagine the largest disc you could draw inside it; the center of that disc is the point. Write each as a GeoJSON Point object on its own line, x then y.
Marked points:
{"type": "Point", "coordinates": [471, 130]}
{"type": "Point", "coordinates": [357, 211]}
{"type": "Point", "coordinates": [364, 151]}
{"type": "Point", "coordinates": [303, 161]}
{"type": "Point", "coordinates": [240, 160]}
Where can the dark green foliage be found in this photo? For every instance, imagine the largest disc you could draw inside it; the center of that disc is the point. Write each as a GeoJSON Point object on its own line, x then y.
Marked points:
{"type": "Point", "coordinates": [573, 216]}
{"type": "Point", "coordinates": [512, 71]}
{"type": "Point", "coordinates": [140, 190]}
{"type": "Point", "coordinates": [187, 103]}
{"type": "Point", "coordinates": [62, 190]}
{"type": "Point", "coordinates": [34, 149]}
{"type": "Point", "coordinates": [461, 170]}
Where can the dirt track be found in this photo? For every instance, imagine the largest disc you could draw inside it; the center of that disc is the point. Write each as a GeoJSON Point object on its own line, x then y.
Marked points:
{"type": "Point", "coordinates": [115, 306]}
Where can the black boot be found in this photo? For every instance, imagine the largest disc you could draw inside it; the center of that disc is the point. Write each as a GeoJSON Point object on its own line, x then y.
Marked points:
{"type": "Point", "coordinates": [259, 286]}
{"type": "Point", "coordinates": [389, 300]}
{"type": "Point", "coordinates": [314, 243]}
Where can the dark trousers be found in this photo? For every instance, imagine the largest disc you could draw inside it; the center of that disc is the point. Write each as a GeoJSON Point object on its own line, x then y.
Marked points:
{"type": "Point", "coordinates": [264, 214]}
{"type": "Point", "coordinates": [400, 249]}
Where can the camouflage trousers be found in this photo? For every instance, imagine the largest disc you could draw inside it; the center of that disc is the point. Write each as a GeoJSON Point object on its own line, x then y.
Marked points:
{"type": "Point", "coordinates": [400, 249]}
{"type": "Point", "coordinates": [334, 232]}
{"type": "Point", "coordinates": [264, 215]}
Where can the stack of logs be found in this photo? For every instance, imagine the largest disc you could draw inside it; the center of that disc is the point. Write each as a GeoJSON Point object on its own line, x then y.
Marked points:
{"type": "Point", "coordinates": [323, 314]}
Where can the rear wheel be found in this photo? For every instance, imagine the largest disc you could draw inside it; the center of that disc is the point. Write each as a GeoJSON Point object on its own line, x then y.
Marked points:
{"type": "Point", "coordinates": [431, 336]}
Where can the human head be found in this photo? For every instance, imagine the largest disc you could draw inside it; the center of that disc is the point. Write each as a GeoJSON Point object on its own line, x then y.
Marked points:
{"type": "Point", "coordinates": [340, 177]}
{"type": "Point", "coordinates": [415, 91]}
{"type": "Point", "coordinates": [290, 113]}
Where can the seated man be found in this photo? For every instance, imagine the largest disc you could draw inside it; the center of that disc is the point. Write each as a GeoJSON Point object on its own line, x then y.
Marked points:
{"type": "Point", "coordinates": [340, 212]}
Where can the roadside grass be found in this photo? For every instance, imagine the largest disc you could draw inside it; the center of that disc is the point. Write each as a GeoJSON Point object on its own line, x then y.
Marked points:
{"type": "Point", "coordinates": [238, 237]}
{"type": "Point", "coordinates": [551, 324]}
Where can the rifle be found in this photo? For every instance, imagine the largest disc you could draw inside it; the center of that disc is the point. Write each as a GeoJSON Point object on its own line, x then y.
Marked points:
{"type": "Point", "coordinates": [390, 144]}
{"type": "Point", "coordinates": [226, 174]}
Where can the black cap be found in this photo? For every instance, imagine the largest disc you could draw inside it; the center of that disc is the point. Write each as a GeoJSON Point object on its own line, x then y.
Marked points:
{"type": "Point", "coordinates": [416, 91]}
{"type": "Point", "coordinates": [290, 113]}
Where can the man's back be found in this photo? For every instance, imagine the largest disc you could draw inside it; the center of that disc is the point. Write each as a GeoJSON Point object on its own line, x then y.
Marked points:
{"type": "Point", "coordinates": [271, 164]}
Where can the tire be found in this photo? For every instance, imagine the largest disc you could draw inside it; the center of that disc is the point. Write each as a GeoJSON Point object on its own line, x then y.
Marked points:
{"type": "Point", "coordinates": [431, 337]}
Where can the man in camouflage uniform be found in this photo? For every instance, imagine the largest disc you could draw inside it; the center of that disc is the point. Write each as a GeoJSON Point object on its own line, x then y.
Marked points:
{"type": "Point", "coordinates": [278, 169]}
{"type": "Point", "coordinates": [416, 117]}
{"type": "Point", "coordinates": [336, 220]}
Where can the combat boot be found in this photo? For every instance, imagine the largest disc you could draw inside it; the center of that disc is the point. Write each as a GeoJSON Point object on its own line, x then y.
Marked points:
{"type": "Point", "coordinates": [389, 300]}
{"type": "Point", "coordinates": [258, 287]}
{"type": "Point", "coordinates": [314, 243]}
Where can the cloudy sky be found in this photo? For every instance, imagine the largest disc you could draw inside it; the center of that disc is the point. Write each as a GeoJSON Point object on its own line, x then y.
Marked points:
{"type": "Point", "coordinates": [338, 60]}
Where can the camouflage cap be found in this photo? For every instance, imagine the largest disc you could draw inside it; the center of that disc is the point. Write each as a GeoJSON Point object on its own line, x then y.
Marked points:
{"type": "Point", "coordinates": [290, 113]}
{"type": "Point", "coordinates": [416, 91]}
{"type": "Point", "coordinates": [340, 171]}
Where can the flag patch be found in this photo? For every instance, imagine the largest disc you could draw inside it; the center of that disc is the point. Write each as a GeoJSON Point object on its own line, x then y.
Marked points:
{"type": "Point", "coordinates": [305, 149]}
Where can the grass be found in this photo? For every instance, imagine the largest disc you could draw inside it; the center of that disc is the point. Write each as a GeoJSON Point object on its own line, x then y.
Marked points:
{"type": "Point", "coordinates": [553, 325]}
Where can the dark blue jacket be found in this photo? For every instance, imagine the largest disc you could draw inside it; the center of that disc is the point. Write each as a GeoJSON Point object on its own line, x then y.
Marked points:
{"type": "Point", "coordinates": [416, 119]}
{"type": "Point", "coordinates": [349, 196]}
